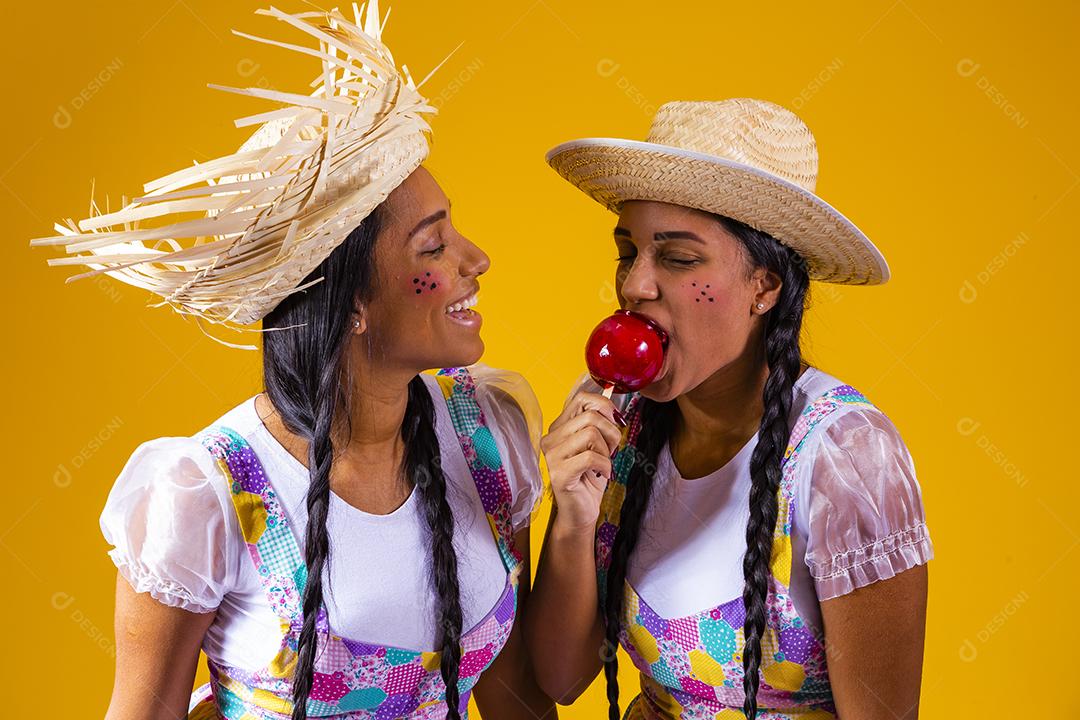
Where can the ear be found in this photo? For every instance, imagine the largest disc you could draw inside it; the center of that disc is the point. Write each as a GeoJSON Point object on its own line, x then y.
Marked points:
{"type": "Point", "coordinates": [358, 321]}
{"type": "Point", "coordinates": [766, 286]}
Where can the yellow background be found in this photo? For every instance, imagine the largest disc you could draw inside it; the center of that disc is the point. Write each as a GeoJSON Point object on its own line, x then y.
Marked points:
{"type": "Point", "coordinates": [945, 131]}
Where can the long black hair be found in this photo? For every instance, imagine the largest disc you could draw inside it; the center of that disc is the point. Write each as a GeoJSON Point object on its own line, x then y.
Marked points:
{"type": "Point", "coordinates": [783, 354]}
{"type": "Point", "coordinates": [304, 372]}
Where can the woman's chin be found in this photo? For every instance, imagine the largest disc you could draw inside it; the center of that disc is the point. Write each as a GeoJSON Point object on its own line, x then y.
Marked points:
{"type": "Point", "coordinates": [652, 393]}
{"type": "Point", "coordinates": [660, 391]}
{"type": "Point", "coordinates": [467, 353]}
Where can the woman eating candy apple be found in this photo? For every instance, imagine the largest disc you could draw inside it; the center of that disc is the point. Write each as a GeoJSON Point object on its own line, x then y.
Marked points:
{"type": "Point", "coordinates": [748, 527]}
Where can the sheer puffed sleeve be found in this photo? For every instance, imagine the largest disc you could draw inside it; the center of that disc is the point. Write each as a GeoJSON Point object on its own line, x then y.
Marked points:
{"type": "Point", "coordinates": [172, 524]}
{"type": "Point", "coordinates": [865, 519]}
{"type": "Point", "coordinates": [511, 408]}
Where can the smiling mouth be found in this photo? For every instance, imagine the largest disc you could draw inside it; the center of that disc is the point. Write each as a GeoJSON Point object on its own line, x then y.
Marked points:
{"type": "Point", "coordinates": [462, 314]}
{"type": "Point", "coordinates": [463, 306]}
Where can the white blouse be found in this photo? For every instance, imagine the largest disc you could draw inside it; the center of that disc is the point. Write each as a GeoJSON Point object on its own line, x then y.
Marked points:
{"type": "Point", "coordinates": [859, 515]}
{"type": "Point", "coordinates": [177, 537]}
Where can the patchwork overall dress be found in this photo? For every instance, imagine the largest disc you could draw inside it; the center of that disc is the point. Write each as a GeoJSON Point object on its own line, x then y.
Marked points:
{"type": "Point", "coordinates": [691, 667]}
{"type": "Point", "coordinates": [354, 679]}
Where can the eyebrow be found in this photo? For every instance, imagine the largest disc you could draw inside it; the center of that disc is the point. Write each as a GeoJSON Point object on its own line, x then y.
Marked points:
{"type": "Point", "coordinates": [429, 220]}
{"type": "Point", "coordinates": [662, 236]}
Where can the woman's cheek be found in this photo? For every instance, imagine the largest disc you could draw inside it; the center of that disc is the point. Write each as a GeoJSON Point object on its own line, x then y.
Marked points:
{"type": "Point", "coordinates": [702, 292]}
{"type": "Point", "coordinates": [427, 283]}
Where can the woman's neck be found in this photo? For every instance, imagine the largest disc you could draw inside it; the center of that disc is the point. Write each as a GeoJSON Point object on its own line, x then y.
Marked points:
{"type": "Point", "coordinates": [375, 411]}
{"type": "Point", "coordinates": [718, 417]}
{"type": "Point", "coordinates": [368, 449]}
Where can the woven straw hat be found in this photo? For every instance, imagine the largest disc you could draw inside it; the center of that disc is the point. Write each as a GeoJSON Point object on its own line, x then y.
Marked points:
{"type": "Point", "coordinates": [233, 236]}
{"type": "Point", "coordinates": [748, 159]}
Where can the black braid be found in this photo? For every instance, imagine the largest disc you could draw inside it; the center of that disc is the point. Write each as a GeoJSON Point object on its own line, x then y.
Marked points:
{"type": "Point", "coordinates": [316, 539]}
{"type": "Point", "coordinates": [424, 464]}
{"type": "Point", "coordinates": [655, 424]}
{"type": "Point", "coordinates": [783, 355]}
{"type": "Point", "coordinates": [302, 373]}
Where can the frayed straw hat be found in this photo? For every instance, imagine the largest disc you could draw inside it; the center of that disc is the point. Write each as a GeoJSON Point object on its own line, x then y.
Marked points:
{"type": "Point", "coordinates": [233, 236]}
{"type": "Point", "coordinates": [748, 159]}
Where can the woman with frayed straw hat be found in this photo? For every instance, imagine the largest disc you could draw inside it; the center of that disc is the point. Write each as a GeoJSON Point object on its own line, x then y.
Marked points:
{"type": "Point", "coordinates": [748, 527]}
{"type": "Point", "coordinates": [325, 226]}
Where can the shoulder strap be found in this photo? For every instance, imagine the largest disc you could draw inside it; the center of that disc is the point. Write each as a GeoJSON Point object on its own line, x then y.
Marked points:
{"type": "Point", "coordinates": [607, 524]}
{"type": "Point", "coordinates": [270, 541]}
{"type": "Point", "coordinates": [811, 417]}
{"type": "Point", "coordinates": [482, 455]}
{"type": "Point", "coordinates": [817, 410]}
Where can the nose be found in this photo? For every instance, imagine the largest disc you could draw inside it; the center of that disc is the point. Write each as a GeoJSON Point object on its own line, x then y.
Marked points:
{"type": "Point", "coordinates": [474, 261]}
{"type": "Point", "coordinates": [639, 282]}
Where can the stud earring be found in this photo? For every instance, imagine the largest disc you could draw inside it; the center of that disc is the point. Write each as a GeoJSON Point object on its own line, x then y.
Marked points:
{"type": "Point", "coordinates": [760, 305]}
{"type": "Point", "coordinates": [356, 324]}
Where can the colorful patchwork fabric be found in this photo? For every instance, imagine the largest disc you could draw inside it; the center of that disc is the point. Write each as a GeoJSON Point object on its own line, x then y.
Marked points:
{"type": "Point", "coordinates": [691, 667]}
{"type": "Point", "coordinates": [354, 679]}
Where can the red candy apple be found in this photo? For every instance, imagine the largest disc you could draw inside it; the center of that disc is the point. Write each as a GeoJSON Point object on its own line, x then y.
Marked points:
{"type": "Point", "coordinates": [625, 352]}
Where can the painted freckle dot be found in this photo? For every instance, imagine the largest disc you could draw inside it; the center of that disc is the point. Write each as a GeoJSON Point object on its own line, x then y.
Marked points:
{"type": "Point", "coordinates": [710, 299]}
{"type": "Point", "coordinates": [418, 292]}
{"type": "Point", "coordinates": [428, 274]}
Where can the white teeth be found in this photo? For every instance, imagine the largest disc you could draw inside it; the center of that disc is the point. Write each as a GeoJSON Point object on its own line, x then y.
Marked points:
{"type": "Point", "coordinates": [463, 305]}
